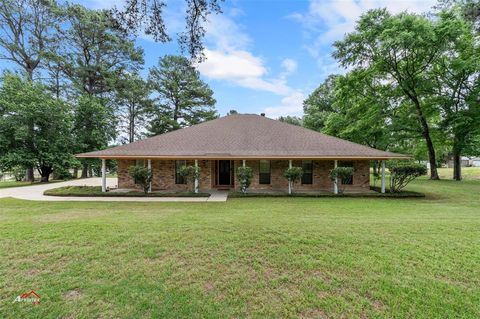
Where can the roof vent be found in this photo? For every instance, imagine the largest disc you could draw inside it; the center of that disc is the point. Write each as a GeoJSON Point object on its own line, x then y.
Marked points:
{"type": "Point", "coordinates": [262, 114]}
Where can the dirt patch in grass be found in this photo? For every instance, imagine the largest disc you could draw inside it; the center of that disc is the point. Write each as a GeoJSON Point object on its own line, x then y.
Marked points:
{"type": "Point", "coordinates": [73, 295]}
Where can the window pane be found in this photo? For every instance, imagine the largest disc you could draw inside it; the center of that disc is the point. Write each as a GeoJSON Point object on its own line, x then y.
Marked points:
{"type": "Point", "coordinates": [307, 177]}
{"type": "Point", "coordinates": [140, 163]}
{"type": "Point", "coordinates": [346, 164]}
{"type": "Point", "coordinates": [179, 178]}
{"type": "Point", "coordinates": [264, 172]}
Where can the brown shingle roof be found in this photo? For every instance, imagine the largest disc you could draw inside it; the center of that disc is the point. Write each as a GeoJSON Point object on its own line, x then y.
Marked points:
{"type": "Point", "coordinates": [243, 136]}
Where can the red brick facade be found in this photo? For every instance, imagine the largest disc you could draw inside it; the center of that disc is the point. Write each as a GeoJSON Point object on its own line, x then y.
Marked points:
{"type": "Point", "coordinates": [164, 175]}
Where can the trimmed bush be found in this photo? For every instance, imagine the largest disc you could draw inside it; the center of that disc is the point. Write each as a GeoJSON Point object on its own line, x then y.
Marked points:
{"type": "Point", "coordinates": [342, 175]}
{"type": "Point", "coordinates": [190, 173]}
{"type": "Point", "coordinates": [142, 176]}
{"type": "Point", "coordinates": [293, 174]}
{"type": "Point", "coordinates": [403, 173]}
{"type": "Point", "coordinates": [244, 176]}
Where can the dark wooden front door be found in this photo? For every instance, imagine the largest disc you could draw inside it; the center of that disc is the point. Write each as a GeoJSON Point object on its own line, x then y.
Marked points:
{"type": "Point", "coordinates": [224, 173]}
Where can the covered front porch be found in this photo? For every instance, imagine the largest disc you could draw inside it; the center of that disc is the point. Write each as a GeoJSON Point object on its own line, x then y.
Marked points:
{"type": "Point", "coordinates": [219, 174]}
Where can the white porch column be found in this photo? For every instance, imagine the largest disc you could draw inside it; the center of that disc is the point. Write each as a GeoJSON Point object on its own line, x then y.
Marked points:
{"type": "Point", "coordinates": [244, 163]}
{"type": "Point", "coordinates": [335, 183]}
{"type": "Point", "coordinates": [149, 166]}
{"type": "Point", "coordinates": [104, 175]}
{"type": "Point", "coordinates": [289, 182]}
{"type": "Point", "coordinates": [383, 177]}
{"type": "Point", "coordinates": [196, 178]}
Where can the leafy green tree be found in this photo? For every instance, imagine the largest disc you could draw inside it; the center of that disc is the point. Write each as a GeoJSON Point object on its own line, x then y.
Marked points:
{"type": "Point", "coordinates": [94, 126]}
{"type": "Point", "coordinates": [293, 175]}
{"type": "Point", "coordinates": [134, 103]}
{"type": "Point", "coordinates": [457, 79]}
{"type": "Point", "coordinates": [244, 176]}
{"type": "Point", "coordinates": [24, 104]}
{"type": "Point", "coordinates": [96, 53]}
{"type": "Point", "coordinates": [28, 33]}
{"type": "Point", "coordinates": [95, 57]}
{"type": "Point", "coordinates": [402, 48]}
{"type": "Point", "coordinates": [27, 38]}
{"type": "Point", "coordinates": [319, 104]}
{"type": "Point", "coordinates": [183, 99]}
{"type": "Point", "coordinates": [295, 120]}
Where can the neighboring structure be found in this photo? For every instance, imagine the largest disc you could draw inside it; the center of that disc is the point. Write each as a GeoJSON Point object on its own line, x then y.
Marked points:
{"type": "Point", "coordinates": [464, 162]}
{"type": "Point", "coordinates": [475, 162]}
{"type": "Point", "coordinates": [268, 146]}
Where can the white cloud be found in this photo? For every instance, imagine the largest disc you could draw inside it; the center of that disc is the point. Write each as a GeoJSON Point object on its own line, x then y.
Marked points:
{"type": "Point", "coordinates": [228, 58]}
{"type": "Point", "coordinates": [327, 21]}
{"type": "Point", "coordinates": [242, 68]}
{"type": "Point", "coordinates": [289, 65]}
{"type": "Point", "coordinates": [291, 104]}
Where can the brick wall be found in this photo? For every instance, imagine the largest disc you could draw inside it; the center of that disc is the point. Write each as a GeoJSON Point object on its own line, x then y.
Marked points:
{"type": "Point", "coordinates": [321, 181]}
{"type": "Point", "coordinates": [164, 175]}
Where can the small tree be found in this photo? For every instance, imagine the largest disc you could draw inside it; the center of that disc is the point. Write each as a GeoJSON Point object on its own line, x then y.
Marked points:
{"type": "Point", "coordinates": [18, 173]}
{"type": "Point", "coordinates": [293, 174]}
{"type": "Point", "coordinates": [244, 175]}
{"type": "Point", "coordinates": [342, 175]}
{"type": "Point", "coordinates": [142, 176]}
{"type": "Point", "coordinates": [402, 174]}
{"type": "Point", "coordinates": [190, 174]}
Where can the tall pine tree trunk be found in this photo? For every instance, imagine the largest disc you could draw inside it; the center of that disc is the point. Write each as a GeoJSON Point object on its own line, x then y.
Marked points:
{"type": "Point", "coordinates": [29, 176]}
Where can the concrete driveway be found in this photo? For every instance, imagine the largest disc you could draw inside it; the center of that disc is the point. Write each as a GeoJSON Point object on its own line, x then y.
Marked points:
{"type": "Point", "coordinates": [35, 192]}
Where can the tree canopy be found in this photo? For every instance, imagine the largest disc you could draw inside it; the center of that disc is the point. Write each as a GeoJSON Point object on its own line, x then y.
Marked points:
{"type": "Point", "coordinates": [182, 98]}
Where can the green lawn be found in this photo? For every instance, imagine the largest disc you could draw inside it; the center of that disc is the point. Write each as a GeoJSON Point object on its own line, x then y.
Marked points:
{"type": "Point", "coordinates": [7, 184]}
{"type": "Point", "coordinates": [248, 257]}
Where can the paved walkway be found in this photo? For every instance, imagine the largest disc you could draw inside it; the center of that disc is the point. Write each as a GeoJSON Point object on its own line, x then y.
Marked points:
{"type": "Point", "coordinates": [35, 192]}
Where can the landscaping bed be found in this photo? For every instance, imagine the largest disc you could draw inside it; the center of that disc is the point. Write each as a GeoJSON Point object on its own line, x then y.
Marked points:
{"type": "Point", "coordinates": [96, 191]}
{"type": "Point", "coordinates": [402, 194]}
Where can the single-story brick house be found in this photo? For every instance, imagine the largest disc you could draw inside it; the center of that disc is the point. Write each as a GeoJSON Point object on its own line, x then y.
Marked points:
{"type": "Point", "coordinates": [268, 146]}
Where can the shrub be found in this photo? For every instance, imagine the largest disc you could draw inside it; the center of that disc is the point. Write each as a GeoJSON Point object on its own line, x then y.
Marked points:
{"type": "Point", "coordinates": [142, 176]}
{"type": "Point", "coordinates": [293, 174]}
{"type": "Point", "coordinates": [244, 175]}
{"type": "Point", "coordinates": [18, 173]}
{"type": "Point", "coordinates": [402, 174]}
{"type": "Point", "coordinates": [190, 173]}
{"type": "Point", "coordinates": [342, 175]}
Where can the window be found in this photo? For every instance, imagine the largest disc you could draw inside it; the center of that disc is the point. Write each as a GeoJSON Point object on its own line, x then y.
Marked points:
{"type": "Point", "coordinates": [307, 167]}
{"type": "Point", "coordinates": [264, 172]}
{"type": "Point", "coordinates": [140, 163]}
{"type": "Point", "coordinates": [346, 164]}
{"type": "Point", "coordinates": [179, 179]}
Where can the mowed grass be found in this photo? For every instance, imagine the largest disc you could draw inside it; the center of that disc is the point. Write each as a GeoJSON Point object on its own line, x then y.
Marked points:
{"type": "Point", "coordinates": [249, 257]}
{"type": "Point", "coordinates": [8, 184]}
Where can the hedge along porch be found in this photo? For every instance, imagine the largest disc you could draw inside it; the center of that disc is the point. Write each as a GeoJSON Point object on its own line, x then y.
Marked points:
{"type": "Point", "coordinates": [268, 146]}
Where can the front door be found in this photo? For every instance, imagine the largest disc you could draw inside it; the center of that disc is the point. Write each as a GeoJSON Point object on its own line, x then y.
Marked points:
{"type": "Point", "coordinates": [224, 173]}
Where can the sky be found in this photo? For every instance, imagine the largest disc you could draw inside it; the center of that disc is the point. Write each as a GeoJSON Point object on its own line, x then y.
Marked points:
{"type": "Point", "coordinates": [267, 55]}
